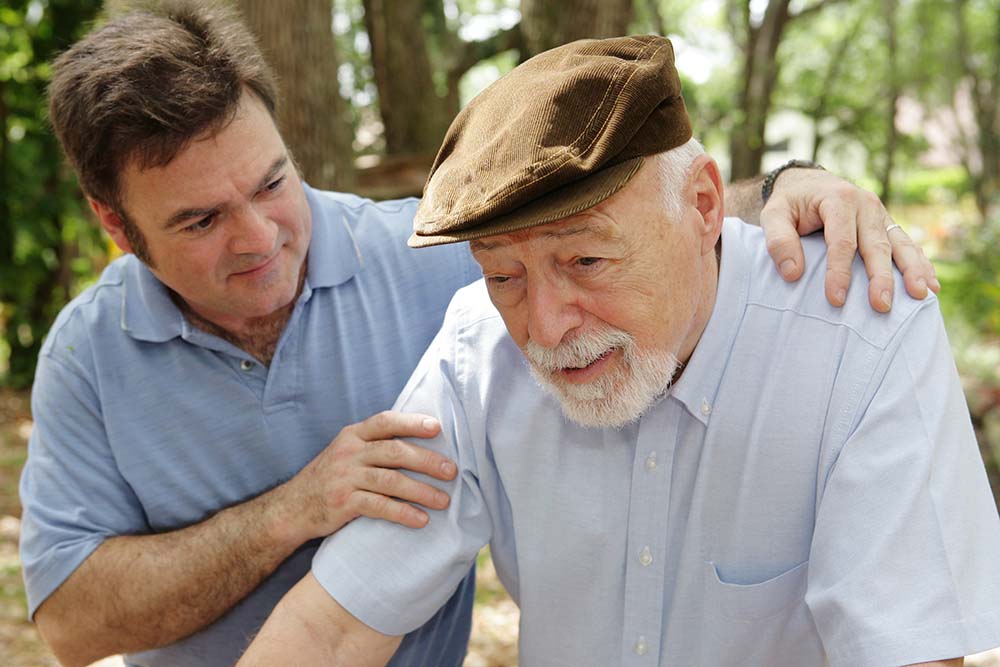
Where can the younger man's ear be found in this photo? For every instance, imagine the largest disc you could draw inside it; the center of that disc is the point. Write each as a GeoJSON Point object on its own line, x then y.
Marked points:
{"type": "Point", "coordinates": [705, 191]}
{"type": "Point", "coordinates": [112, 223]}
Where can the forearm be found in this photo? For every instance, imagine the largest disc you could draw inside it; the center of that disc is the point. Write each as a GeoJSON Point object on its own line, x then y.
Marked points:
{"type": "Point", "coordinates": [139, 592]}
{"type": "Point", "coordinates": [308, 627]}
{"type": "Point", "coordinates": [742, 200]}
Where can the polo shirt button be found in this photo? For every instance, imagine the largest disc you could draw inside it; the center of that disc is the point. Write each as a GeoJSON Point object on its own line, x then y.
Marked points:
{"type": "Point", "coordinates": [646, 557]}
{"type": "Point", "coordinates": [651, 462]}
{"type": "Point", "coordinates": [246, 365]}
{"type": "Point", "coordinates": [641, 647]}
{"type": "Point", "coordinates": [706, 407]}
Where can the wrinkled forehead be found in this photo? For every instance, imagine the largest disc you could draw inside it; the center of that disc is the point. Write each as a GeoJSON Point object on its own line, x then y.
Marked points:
{"type": "Point", "coordinates": [592, 224]}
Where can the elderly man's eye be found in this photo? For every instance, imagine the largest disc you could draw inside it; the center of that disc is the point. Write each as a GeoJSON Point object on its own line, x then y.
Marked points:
{"type": "Point", "coordinates": [588, 261]}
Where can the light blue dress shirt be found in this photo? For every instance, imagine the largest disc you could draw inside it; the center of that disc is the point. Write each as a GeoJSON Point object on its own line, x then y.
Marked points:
{"type": "Point", "coordinates": [144, 423]}
{"type": "Point", "coordinates": [809, 492]}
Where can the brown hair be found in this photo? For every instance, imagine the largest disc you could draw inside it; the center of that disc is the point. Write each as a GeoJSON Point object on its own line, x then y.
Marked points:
{"type": "Point", "coordinates": [145, 84]}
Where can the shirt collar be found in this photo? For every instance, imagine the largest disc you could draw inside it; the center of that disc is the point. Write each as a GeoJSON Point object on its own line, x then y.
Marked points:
{"type": "Point", "coordinates": [699, 383]}
{"type": "Point", "coordinates": [334, 254]}
{"type": "Point", "coordinates": [149, 314]}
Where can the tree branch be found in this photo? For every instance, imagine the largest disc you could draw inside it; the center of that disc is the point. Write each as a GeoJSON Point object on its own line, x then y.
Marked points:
{"type": "Point", "coordinates": [468, 54]}
{"type": "Point", "coordinates": [813, 8]}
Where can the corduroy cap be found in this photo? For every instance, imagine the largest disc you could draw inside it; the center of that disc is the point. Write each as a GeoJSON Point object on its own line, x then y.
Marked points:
{"type": "Point", "coordinates": [557, 135]}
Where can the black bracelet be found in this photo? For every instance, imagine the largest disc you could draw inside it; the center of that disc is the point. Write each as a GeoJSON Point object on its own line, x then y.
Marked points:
{"type": "Point", "coordinates": [768, 185]}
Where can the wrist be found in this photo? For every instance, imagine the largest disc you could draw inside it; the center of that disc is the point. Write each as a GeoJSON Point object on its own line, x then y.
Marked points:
{"type": "Point", "coordinates": [281, 523]}
{"type": "Point", "coordinates": [767, 185]}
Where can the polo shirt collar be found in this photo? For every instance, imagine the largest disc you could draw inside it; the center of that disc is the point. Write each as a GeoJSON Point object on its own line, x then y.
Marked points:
{"type": "Point", "coordinates": [699, 384]}
{"type": "Point", "coordinates": [334, 254]}
{"type": "Point", "coordinates": [149, 314]}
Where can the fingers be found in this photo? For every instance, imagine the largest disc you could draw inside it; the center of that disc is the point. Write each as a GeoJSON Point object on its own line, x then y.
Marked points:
{"type": "Point", "coordinates": [783, 243]}
{"type": "Point", "coordinates": [876, 251]}
{"type": "Point", "coordinates": [379, 446]}
{"type": "Point", "coordinates": [918, 272]}
{"type": "Point", "coordinates": [376, 506]}
{"type": "Point", "coordinates": [390, 424]}
{"type": "Point", "coordinates": [381, 491]}
{"type": "Point", "coordinates": [399, 454]}
{"type": "Point", "coordinates": [841, 233]}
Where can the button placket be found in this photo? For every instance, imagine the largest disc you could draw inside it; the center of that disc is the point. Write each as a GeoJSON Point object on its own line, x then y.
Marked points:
{"type": "Point", "coordinates": [648, 510]}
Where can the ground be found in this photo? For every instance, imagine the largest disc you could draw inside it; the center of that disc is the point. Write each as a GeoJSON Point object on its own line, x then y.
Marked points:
{"type": "Point", "coordinates": [495, 620]}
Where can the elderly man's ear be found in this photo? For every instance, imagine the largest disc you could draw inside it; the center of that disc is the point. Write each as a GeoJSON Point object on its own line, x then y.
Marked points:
{"type": "Point", "coordinates": [704, 191]}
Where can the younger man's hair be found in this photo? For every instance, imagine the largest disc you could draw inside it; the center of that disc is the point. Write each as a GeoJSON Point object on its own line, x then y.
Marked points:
{"type": "Point", "coordinates": [139, 88]}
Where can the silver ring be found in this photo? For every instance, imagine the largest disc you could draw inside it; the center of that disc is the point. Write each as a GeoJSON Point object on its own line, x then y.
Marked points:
{"type": "Point", "coordinates": [892, 227]}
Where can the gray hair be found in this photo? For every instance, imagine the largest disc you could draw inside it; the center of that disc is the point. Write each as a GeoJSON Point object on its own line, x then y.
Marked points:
{"type": "Point", "coordinates": [673, 166]}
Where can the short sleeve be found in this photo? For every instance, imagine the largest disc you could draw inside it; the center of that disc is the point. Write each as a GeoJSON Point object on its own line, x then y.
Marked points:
{"type": "Point", "coordinates": [903, 564]}
{"type": "Point", "coordinates": [394, 578]}
{"type": "Point", "coordinates": [72, 494]}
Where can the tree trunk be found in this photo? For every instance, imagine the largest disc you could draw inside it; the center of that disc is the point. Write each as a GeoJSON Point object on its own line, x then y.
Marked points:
{"type": "Point", "coordinates": [892, 135]}
{"type": "Point", "coordinates": [760, 71]}
{"type": "Point", "coordinates": [819, 110]}
{"type": "Point", "coordinates": [546, 24]}
{"type": "Point", "coordinates": [296, 37]}
{"type": "Point", "coordinates": [985, 87]}
{"type": "Point", "coordinates": [414, 115]}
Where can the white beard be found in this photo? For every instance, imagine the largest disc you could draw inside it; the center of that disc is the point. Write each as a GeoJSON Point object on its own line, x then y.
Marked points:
{"type": "Point", "coordinates": [618, 396]}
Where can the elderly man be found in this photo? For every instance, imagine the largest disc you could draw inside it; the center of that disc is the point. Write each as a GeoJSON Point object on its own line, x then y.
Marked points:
{"type": "Point", "coordinates": [666, 470]}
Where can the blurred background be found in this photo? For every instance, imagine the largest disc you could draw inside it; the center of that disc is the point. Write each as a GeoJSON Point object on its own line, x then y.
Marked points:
{"type": "Point", "coordinates": [900, 96]}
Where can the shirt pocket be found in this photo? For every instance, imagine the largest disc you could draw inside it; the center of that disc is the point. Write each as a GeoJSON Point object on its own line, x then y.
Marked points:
{"type": "Point", "coordinates": [766, 623]}
{"type": "Point", "coordinates": [755, 601]}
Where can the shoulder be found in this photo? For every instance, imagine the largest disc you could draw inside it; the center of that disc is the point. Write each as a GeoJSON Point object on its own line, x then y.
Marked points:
{"type": "Point", "coordinates": [806, 298]}
{"type": "Point", "coordinates": [472, 333]}
{"type": "Point", "coordinates": [380, 231]}
{"type": "Point", "coordinates": [471, 310]}
{"type": "Point", "coordinates": [95, 312]}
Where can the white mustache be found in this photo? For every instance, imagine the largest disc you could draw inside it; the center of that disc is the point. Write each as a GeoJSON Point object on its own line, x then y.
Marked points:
{"type": "Point", "coordinates": [579, 351]}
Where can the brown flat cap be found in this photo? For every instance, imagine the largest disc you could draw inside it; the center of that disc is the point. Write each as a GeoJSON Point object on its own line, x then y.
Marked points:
{"type": "Point", "coordinates": [557, 135]}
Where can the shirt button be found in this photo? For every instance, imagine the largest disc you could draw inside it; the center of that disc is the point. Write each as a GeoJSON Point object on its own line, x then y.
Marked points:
{"type": "Point", "coordinates": [641, 647]}
{"type": "Point", "coordinates": [646, 557]}
{"type": "Point", "coordinates": [246, 365]}
{"type": "Point", "coordinates": [651, 462]}
{"type": "Point", "coordinates": [706, 407]}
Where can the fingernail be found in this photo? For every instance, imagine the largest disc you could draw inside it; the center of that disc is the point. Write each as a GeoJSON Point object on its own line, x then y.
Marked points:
{"type": "Point", "coordinates": [887, 298]}
{"type": "Point", "coordinates": [787, 267]}
{"type": "Point", "coordinates": [922, 284]}
{"type": "Point", "coordinates": [448, 468]}
{"type": "Point", "coordinates": [429, 423]}
{"type": "Point", "coordinates": [935, 284]}
{"type": "Point", "coordinates": [841, 295]}
{"type": "Point", "coordinates": [441, 498]}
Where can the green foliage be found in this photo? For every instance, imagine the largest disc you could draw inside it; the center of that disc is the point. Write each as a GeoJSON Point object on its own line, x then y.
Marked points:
{"type": "Point", "coordinates": [47, 246]}
{"type": "Point", "coordinates": [971, 280]}
{"type": "Point", "coordinates": [945, 185]}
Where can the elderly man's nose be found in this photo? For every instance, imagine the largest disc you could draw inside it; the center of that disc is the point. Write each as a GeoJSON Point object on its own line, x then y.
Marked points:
{"type": "Point", "coordinates": [552, 314]}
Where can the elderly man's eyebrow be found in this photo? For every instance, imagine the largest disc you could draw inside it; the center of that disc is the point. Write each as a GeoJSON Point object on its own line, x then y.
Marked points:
{"type": "Point", "coordinates": [186, 214]}
{"type": "Point", "coordinates": [589, 228]}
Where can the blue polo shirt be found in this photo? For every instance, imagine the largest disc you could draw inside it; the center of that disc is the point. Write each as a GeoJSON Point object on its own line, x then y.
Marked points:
{"type": "Point", "coordinates": [145, 423]}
